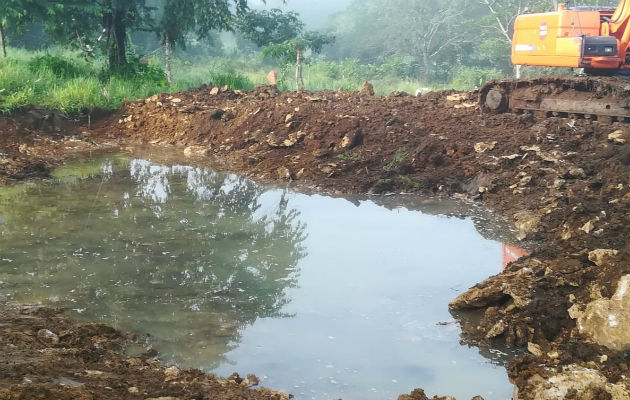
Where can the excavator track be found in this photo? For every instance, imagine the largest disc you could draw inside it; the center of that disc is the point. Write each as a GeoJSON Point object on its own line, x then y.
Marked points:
{"type": "Point", "coordinates": [605, 99]}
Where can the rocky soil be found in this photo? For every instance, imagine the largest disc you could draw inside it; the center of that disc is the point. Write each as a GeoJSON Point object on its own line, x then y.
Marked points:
{"type": "Point", "coordinates": [563, 183]}
{"type": "Point", "coordinates": [47, 356]}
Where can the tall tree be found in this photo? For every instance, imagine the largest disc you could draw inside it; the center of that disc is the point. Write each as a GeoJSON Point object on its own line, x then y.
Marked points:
{"type": "Point", "coordinates": [283, 37]}
{"type": "Point", "coordinates": [293, 50]}
{"type": "Point", "coordinates": [269, 26]}
{"type": "Point", "coordinates": [103, 23]}
{"type": "Point", "coordinates": [180, 17]}
{"type": "Point", "coordinates": [15, 14]}
{"type": "Point", "coordinates": [424, 30]}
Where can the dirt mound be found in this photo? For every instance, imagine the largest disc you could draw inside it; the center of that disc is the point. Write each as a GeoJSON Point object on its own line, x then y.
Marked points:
{"type": "Point", "coordinates": [563, 183]}
{"type": "Point", "coordinates": [35, 140]}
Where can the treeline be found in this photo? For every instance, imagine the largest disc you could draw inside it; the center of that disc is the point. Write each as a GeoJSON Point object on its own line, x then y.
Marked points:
{"type": "Point", "coordinates": [399, 44]}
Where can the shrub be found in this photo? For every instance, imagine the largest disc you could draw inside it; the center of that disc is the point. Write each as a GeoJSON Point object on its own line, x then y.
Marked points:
{"type": "Point", "coordinates": [57, 65]}
{"type": "Point", "coordinates": [135, 70]}
{"type": "Point", "coordinates": [233, 79]}
{"type": "Point", "coordinates": [76, 95]}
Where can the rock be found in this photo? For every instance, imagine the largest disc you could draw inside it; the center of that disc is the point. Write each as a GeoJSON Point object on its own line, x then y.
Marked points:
{"type": "Point", "coordinates": [214, 90]}
{"type": "Point", "coordinates": [397, 93]}
{"type": "Point", "coordinates": [478, 296]}
{"type": "Point", "coordinates": [588, 227]}
{"type": "Point", "coordinates": [484, 146]}
{"type": "Point", "coordinates": [598, 256]}
{"type": "Point", "coordinates": [288, 117]}
{"type": "Point", "coordinates": [416, 394]}
{"type": "Point", "coordinates": [566, 232]}
{"type": "Point", "coordinates": [496, 330]}
{"type": "Point", "coordinates": [277, 142]}
{"type": "Point", "coordinates": [176, 100]}
{"type": "Point", "coordinates": [135, 362]}
{"type": "Point", "coordinates": [272, 77]}
{"type": "Point", "coordinates": [526, 222]}
{"type": "Point", "coordinates": [284, 173]}
{"type": "Point", "coordinates": [351, 140]}
{"type": "Point", "coordinates": [196, 150]}
{"type": "Point", "coordinates": [251, 380]}
{"type": "Point", "coordinates": [575, 382]}
{"type": "Point", "coordinates": [217, 113]}
{"type": "Point", "coordinates": [327, 169]}
{"type": "Point", "coordinates": [47, 337]}
{"type": "Point", "coordinates": [480, 180]}
{"type": "Point", "coordinates": [456, 97]}
{"type": "Point", "coordinates": [367, 89]}
{"type": "Point", "coordinates": [466, 104]}
{"type": "Point", "coordinates": [618, 136]}
{"type": "Point", "coordinates": [235, 377]}
{"type": "Point", "coordinates": [548, 157]}
{"type": "Point", "coordinates": [576, 173]}
{"type": "Point", "coordinates": [163, 398]}
{"type": "Point", "coordinates": [133, 389]}
{"type": "Point", "coordinates": [534, 148]}
{"type": "Point", "coordinates": [171, 373]}
{"type": "Point", "coordinates": [525, 181]}
{"type": "Point", "coordinates": [553, 354]}
{"type": "Point", "coordinates": [606, 321]}
{"type": "Point", "coordinates": [535, 349]}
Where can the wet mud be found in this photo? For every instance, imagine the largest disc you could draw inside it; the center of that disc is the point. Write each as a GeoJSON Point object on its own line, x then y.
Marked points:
{"type": "Point", "coordinates": [561, 182]}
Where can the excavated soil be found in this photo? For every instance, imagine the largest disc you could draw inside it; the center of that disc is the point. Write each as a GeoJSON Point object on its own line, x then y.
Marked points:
{"type": "Point", "coordinates": [47, 356]}
{"type": "Point", "coordinates": [562, 182]}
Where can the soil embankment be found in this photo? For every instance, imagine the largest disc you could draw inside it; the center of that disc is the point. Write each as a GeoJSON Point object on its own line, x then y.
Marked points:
{"type": "Point", "coordinates": [563, 183]}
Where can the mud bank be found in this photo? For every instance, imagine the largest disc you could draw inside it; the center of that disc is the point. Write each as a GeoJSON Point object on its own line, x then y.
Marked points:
{"type": "Point", "coordinates": [47, 356]}
{"type": "Point", "coordinates": [563, 183]}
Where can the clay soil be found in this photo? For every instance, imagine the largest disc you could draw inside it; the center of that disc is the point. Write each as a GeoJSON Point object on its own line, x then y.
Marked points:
{"type": "Point", "coordinates": [563, 183]}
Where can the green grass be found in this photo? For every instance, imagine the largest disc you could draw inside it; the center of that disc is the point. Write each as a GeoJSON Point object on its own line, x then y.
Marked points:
{"type": "Point", "coordinates": [63, 79]}
{"type": "Point", "coordinates": [398, 158]}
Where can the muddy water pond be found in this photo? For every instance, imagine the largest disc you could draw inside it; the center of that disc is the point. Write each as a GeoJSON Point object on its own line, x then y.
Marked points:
{"type": "Point", "coordinates": [321, 297]}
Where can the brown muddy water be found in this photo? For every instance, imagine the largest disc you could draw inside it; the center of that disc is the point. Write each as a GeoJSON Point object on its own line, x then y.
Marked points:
{"type": "Point", "coordinates": [321, 297]}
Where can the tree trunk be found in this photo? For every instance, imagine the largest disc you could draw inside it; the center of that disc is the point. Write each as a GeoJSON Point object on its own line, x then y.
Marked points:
{"type": "Point", "coordinates": [167, 61]}
{"type": "Point", "coordinates": [517, 71]}
{"type": "Point", "coordinates": [299, 82]}
{"type": "Point", "coordinates": [117, 47]}
{"type": "Point", "coordinates": [426, 72]}
{"type": "Point", "coordinates": [2, 42]}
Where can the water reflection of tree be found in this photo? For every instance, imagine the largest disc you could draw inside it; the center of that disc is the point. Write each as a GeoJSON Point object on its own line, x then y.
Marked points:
{"type": "Point", "coordinates": [186, 253]}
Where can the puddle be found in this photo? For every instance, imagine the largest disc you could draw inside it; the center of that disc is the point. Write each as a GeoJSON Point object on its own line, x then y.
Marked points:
{"type": "Point", "coordinates": [322, 297]}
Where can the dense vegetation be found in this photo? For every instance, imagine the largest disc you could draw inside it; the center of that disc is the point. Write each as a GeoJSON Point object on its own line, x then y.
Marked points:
{"type": "Point", "coordinates": [95, 53]}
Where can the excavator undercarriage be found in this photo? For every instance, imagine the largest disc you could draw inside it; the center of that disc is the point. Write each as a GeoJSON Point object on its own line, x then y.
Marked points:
{"type": "Point", "coordinates": [605, 99]}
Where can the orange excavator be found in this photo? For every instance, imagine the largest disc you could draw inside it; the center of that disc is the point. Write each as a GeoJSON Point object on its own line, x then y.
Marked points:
{"type": "Point", "coordinates": [596, 39]}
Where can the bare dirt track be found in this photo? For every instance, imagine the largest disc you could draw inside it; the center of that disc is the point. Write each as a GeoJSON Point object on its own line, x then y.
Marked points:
{"type": "Point", "coordinates": [562, 182]}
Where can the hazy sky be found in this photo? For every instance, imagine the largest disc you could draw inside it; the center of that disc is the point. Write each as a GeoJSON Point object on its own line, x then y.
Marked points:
{"type": "Point", "coordinates": [313, 13]}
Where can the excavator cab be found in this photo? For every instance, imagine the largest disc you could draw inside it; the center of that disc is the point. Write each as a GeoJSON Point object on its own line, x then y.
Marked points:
{"type": "Point", "coordinates": [593, 38]}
